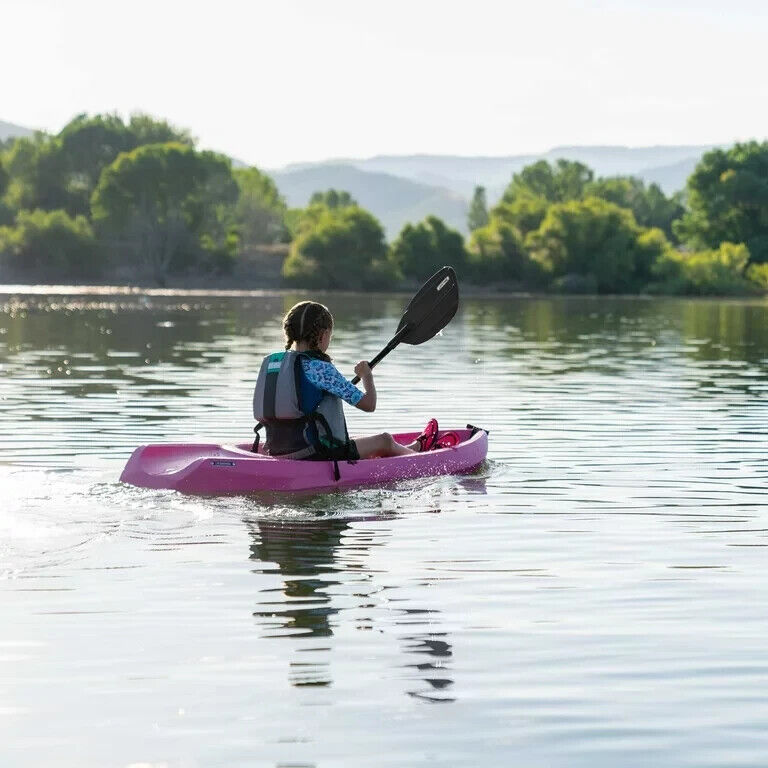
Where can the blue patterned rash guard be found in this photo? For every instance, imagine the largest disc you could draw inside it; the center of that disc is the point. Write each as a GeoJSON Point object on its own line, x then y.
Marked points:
{"type": "Point", "coordinates": [326, 376]}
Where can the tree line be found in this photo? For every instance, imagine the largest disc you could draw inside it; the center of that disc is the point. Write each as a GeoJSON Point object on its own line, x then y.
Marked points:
{"type": "Point", "coordinates": [136, 200]}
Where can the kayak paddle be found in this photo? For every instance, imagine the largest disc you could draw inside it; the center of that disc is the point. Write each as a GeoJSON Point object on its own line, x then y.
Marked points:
{"type": "Point", "coordinates": [428, 312]}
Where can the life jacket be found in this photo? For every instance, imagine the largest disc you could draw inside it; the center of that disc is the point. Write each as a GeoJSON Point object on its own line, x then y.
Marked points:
{"type": "Point", "coordinates": [301, 420]}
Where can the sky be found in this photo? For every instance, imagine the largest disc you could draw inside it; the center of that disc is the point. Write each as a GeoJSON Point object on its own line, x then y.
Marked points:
{"type": "Point", "coordinates": [285, 81]}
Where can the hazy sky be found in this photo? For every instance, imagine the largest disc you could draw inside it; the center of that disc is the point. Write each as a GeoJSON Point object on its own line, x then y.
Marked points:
{"type": "Point", "coordinates": [291, 80]}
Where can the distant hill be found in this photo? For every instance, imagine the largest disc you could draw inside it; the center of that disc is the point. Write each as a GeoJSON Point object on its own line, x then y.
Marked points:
{"type": "Point", "coordinates": [671, 178]}
{"type": "Point", "coordinates": [393, 200]}
{"type": "Point", "coordinates": [461, 174]}
{"type": "Point", "coordinates": [11, 131]}
{"type": "Point", "coordinates": [668, 166]}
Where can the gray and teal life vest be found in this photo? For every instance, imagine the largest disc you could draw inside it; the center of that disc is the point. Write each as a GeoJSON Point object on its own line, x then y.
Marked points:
{"type": "Point", "coordinates": [301, 420]}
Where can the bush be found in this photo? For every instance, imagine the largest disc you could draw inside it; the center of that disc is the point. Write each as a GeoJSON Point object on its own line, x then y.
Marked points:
{"type": "Point", "coordinates": [595, 238]}
{"type": "Point", "coordinates": [421, 249]}
{"type": "Point", "coordinates": [340, 248]}
{"type": "Point", "coordinates": [50, 246]}
{"type": "Point", "coordinates": [497, 255]}
{"type": "Point", "coordinates": [719, 272]}
{"type": "Point", "coordinates": [758, 275]}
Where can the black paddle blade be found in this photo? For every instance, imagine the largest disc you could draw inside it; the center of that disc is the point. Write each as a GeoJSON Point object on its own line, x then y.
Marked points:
{"type": "Point", "coordinates": [432, 308]}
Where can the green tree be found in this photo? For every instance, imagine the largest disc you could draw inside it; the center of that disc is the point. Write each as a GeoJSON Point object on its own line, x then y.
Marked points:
{"type": "Point", "coordinates": [421, 249]}
{"type": "Point", "coordinates": [146, 129]}
{"type": "Point", "coordinates": [728, 200]}
{"type": "Point", "coordinates": [87, 145]}
{"type": "Point", "coordinates": [497, 254]}
{"type": "Point", "coordinates": [478, 210]}
{"type": "Point", "coordinates": [52, 172]}
{"type": "Point", "coordinates": [524, 214]}
{"type": "Point", "coordinates": [6, 214]}
{"type": "Point", "coordinates": [597, 239]}
{"type": "Point", "coordinates": [36, 170]}
{"type": "Point", "coordinates": [4, 178]}
{"type": "Point", "coordinates": [50, 246]}
{"type": "Point", "coordinates": [342, 248]}
{"type": "Point", "coordinates": [651, 207]}
{"type": "Point", "coordinates": [167, 208]}
{"type": "Point", "coordinates": [564, 181]}
{"type": "Point", "coordinates": [721, 271]}
{"type": "Point", "coordinates": [260, 211]}
{"type": "Point", "coordinates": [332, 198]}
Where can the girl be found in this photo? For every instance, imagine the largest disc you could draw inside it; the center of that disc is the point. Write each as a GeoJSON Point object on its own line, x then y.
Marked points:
{"type": "Point", "coordinates": [299, 394]}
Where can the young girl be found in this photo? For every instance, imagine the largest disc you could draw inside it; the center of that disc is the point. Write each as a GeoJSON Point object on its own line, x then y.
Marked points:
{"type": "Point", "coordinates": [299, 394]}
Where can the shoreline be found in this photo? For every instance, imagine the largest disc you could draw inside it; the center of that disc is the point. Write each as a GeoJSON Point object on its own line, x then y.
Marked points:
{"type": "Point", "coordinates": [470, 292]}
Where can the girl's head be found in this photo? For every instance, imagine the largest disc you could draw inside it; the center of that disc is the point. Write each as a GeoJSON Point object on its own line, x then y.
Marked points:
{"type": "Point", "coordinates": [309, 323]}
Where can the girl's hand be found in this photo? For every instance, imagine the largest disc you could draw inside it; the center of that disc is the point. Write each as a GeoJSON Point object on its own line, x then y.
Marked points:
{"type": "Point", "coordinates": [363, 370]}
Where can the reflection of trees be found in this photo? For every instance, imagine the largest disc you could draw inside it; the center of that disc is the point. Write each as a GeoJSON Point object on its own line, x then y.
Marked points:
{"type": "Point", "coordinates": [311, 558]}
{"type": "Point", "coordinates": [725, 330]}
{"type": "Point", "coordinates": [605, 335]}
{"type": "Point", "coordinates": [436, 653]}
{"type": "Point", "coordinates": [303, 554]}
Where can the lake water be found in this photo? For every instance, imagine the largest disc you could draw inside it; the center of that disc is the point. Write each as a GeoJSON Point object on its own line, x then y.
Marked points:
{"type": "Point", "coordinates": [595, 596]}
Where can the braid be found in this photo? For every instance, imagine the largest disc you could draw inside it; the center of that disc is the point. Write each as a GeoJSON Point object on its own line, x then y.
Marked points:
{"type": "Point", "coordinates": [306, 321]}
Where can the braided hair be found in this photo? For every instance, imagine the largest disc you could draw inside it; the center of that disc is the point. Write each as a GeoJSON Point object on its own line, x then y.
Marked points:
{"type": "Point", "coordinates": [306, 322]}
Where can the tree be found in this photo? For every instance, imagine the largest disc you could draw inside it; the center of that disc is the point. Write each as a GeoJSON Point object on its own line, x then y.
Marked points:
{"type": "Point", "coordinates": [49, 246]}
{"type": "Point", "coordinates": [728, 200]}
{"type": "Point", "coordinates": [52, 172]}
{"type": "Point", "coordinates": [332, 198]}
{"type": "Point", "coordinates": [497, 254]}
{"type": "Point", "coordinates": [564, 181]}
{"type": "Point", "coordinates": [87, 145]}
{"type": "Point", "coordinates": [721, 271]}
{"type": "Point", "coordinates": [421, 249]}
{"type": "Point", "coordinates": [592, 237]}
{"type": "Point", "coordinates": [343, 248]}
{"type": "Point", "coordinates": [524, 214]}
{"type": "Point", "coordinates": [651, 207]}
{"type": "Point", "coordinates": [146, 129]}
{"type": "Point", "coordinates": [166, 208]}
{"type": "Point", "coordinates": [6, 214]}
{"type": "Point", "coordinates": [260, 211]}
{"type": "Point", "coordinates": [478, 210]}
{"type": "Point", "coordinates": [4, 178]}
{"type": "Point", "coordinates": [36, 170]}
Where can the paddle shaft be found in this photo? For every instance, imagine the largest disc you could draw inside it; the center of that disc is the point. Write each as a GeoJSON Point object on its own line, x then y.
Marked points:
{"type": "Point", "coordinates": [393, 342]}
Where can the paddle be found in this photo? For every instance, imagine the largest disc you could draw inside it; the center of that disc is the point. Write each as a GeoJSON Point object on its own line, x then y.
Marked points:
{"type": "Point", "coordinates": [428, 312]}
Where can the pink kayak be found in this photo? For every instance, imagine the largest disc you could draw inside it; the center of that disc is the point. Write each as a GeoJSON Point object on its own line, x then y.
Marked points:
{"type": "Point", "coordinates": [215, 469]}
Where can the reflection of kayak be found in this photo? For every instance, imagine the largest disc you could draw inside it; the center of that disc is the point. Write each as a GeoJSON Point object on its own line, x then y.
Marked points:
{"type": "Point", "coordinates": [209, 468]}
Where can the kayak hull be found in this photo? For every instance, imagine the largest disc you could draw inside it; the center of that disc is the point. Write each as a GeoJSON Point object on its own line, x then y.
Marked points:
{"type": "Point", "coordinates": [207, 468]}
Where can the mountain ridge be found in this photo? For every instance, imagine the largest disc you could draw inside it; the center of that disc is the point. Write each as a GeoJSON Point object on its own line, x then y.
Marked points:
{"type": "Point", "coordinates": [12, 131]}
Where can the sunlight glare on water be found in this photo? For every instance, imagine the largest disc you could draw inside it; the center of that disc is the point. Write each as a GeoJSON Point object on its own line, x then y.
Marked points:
{"type": "Point", "coordinates": [593, 596]}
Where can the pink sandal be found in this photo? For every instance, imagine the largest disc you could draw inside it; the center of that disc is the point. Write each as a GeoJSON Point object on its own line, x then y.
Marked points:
{"type": "Point", "coordinates": [428, 437]}
{"type": "Point", "coordinates": [448, 440]}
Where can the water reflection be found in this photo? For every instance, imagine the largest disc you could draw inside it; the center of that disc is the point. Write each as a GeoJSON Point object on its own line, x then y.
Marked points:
{"type": "Point", "coordinates": [304, 554]}
{"type": "Point", "coordinates": [562, 591]}
{"type": "Point", "coordinates": [322, 566]}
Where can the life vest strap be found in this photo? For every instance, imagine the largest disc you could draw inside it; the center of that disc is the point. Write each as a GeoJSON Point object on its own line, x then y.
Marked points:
{"type": "Point", "coordinates": [257, 439]}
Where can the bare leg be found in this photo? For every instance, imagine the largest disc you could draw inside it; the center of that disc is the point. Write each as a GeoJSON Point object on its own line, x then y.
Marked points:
{"type": "Point", "coordinates": [382, 445]}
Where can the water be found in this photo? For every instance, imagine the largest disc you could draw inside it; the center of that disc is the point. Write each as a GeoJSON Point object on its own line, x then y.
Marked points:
{"type": "Point", "coordinates": [595, 596]}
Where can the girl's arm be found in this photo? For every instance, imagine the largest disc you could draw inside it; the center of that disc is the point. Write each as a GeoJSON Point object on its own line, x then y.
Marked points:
{"type": "Point", "coordinates": [368, 400]}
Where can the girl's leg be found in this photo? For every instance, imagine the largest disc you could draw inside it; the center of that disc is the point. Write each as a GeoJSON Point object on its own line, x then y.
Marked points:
{"type": "Point", "coordinates": [382, 445]}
